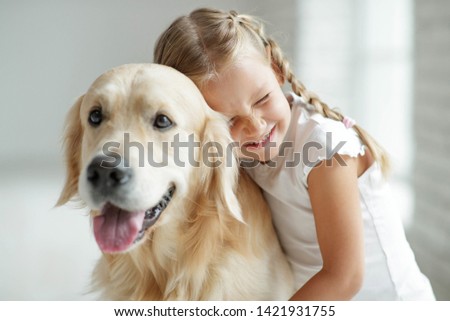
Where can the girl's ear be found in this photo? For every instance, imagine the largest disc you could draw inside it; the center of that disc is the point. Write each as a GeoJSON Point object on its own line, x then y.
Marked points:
{"type": "Point", "coordinates": [220, 167]}
{"type": "Point", "coordinates": [72, 150]}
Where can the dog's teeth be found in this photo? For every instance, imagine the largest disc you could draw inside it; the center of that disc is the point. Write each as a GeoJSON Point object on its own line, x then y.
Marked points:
{"type": "Point", "coordinates": [153, 213]}
{"type": "Point", "coordinates": [146, 224]}
{"type": "Point", "coordinates": [150, 214]}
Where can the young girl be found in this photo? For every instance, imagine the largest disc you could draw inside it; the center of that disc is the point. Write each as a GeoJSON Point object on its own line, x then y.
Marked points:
{"type": "Point", "coordinates": [321, 174]}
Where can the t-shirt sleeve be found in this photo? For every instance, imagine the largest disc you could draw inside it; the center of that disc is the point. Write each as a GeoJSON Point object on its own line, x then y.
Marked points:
{"type": "Point", "coordinates": [327, 138]}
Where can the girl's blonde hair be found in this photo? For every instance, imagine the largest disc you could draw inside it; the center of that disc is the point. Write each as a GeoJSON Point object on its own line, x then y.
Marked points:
{"type": "Point", "coordinates": [207, 41]}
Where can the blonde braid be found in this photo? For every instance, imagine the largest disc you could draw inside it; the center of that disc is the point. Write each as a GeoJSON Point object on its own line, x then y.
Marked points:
{"type": "Point", "coordinates": [378, 153]}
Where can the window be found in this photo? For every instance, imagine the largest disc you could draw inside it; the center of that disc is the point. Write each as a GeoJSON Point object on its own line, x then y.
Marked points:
{"type": "Point", "coordinates": [357, 56]}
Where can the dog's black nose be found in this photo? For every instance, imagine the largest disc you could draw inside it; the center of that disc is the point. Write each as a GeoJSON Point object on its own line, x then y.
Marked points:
{"type": "Point", "coordinates": [101, 172]}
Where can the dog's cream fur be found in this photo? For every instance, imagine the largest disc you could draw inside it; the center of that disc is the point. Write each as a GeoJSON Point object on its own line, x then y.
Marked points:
{"type": "Point", "coordinates": [208, 244]}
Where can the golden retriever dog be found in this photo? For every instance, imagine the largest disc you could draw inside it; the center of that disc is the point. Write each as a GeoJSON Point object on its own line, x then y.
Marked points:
{"type": "Point", "coordinates": [172, 213]}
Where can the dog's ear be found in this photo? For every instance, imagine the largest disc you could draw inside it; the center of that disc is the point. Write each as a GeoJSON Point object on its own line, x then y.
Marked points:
{"type": "Point", "coordinates": [72, 151]}
{"type": "Point", "coordinates": [221, 167]}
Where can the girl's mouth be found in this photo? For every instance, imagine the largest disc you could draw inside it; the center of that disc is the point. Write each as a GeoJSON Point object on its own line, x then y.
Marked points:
{"type": "Point", "coordinates": [262, 142]}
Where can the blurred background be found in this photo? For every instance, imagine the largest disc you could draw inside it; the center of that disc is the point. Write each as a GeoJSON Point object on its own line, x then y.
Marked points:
{"type": "Point", "coordinates": [382, 62]}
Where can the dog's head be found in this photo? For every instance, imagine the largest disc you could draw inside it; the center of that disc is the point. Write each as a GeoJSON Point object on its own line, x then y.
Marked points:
{"type": "Point", "coordinates": [138, 142]}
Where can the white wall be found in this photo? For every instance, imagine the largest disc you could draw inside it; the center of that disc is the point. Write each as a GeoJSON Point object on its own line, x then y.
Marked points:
{"type": "Point", "coordinates": [431, 229]}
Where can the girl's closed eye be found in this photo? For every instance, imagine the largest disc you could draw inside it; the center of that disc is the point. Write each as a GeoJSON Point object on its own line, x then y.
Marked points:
{"type": "Point", "coordinates": [263, 100]}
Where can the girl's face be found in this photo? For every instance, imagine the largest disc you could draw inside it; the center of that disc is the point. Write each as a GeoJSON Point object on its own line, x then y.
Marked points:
{"type": "Point", "coordinates": [249, 94]}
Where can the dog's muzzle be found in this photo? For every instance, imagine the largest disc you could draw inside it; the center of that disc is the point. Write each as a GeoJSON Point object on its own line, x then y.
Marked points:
{"type": "Point", "coordinates": [116, 229]}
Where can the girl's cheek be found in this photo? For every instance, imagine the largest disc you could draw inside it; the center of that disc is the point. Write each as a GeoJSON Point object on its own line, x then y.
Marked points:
{"type": "Point", "coordinates": [234, 134]}
{"type": "Point", "coordinates": [237, 129]}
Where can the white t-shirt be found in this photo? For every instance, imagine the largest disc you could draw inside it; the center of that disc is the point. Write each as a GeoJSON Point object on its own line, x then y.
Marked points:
{"type": "Point", "coordinates": [391, 272]}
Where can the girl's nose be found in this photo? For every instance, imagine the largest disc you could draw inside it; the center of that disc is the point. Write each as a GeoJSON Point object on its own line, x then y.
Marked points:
{"type": "Point", "coordinates": [255, 125]}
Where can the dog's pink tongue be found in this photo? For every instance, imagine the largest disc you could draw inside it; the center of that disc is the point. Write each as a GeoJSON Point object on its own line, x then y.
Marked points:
{"type": "Point", "coordinates": [116, 229]}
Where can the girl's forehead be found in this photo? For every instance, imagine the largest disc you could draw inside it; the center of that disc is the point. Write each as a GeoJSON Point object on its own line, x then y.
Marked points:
{"type": "Point", "coordinates": [252, 54]}
{"type": "Point", "coordinates": [242, 76]}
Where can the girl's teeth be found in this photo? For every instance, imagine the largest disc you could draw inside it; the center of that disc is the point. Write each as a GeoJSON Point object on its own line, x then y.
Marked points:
{"type": "Point", "coordinates": [262, 141]}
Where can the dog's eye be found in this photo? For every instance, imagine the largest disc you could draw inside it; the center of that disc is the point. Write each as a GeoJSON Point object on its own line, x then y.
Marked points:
{"type": "Point", "coordinates": [95, 117]}
{"type": "Point", "coordinates": [162, 122]}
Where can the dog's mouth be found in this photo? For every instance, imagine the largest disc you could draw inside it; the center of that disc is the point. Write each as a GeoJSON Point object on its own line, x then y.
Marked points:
{"type": "Point", "coordinates": [116, 229]}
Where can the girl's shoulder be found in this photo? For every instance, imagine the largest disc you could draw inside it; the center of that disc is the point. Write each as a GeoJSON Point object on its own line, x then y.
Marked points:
{"type": "Point", "coordinates": [318, 138]}
{"type": "Point", "coordinates": [309, 126]}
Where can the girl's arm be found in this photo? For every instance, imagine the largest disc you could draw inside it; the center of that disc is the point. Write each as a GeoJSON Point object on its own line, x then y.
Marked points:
{"type": "Point", "coordinates": [334, 193]}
